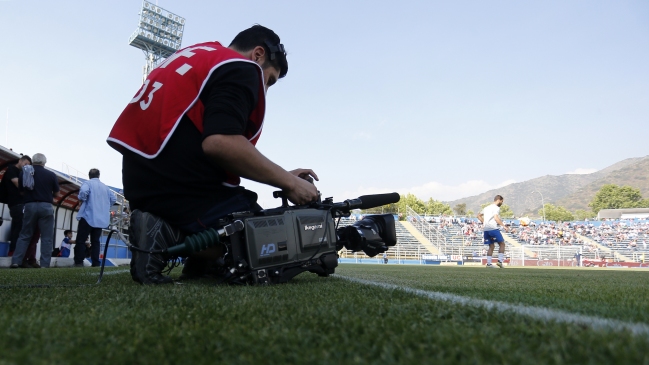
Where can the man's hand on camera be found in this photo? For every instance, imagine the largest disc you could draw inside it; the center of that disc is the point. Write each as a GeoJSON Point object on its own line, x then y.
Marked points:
{"type": "Point", "coordinates": [305, 174]}
{"type": "Point", "coordinates": [301, 192]}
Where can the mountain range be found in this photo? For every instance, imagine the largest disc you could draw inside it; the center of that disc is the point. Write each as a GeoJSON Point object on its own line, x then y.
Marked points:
{"type": "Point", "coordinates": [572, 191]}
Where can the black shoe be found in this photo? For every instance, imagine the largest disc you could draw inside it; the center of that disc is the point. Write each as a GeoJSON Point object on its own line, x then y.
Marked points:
{"type": "Point", "coordinates": [150, 233]}
{"type": "Point", "coordinates": [78, 265]}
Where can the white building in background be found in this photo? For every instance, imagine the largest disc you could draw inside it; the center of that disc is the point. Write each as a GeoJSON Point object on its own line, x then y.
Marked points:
{"type": "Point", "coordinates": [627, 213]}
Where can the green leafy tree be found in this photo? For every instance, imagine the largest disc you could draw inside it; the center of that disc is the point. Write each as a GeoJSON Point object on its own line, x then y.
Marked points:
{"type": "Point", "coordinates": [413, 202]}
{"type": "Point", "coordinates": [556, 213]}
{"type": "Point", "coordinates": [436, 207]}
{"type": "Point", "coordinates": [432, 206]}
{"type": "Point", "coordinates": [505, 210]}
{"type": "Point", "coordinates": [581, 214]}
{"type": "Point", "coordinates": [385, 209]}
{"type": "Point", "coordinates": [470, 214]}
{"type": "Point", "coordinates": [612, 196]}
{"type": "Point", "coordinates": [460, 209]}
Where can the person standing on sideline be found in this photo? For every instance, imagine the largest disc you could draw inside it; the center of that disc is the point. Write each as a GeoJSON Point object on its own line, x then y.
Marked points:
{"type": "Point", "coordinates": [15, 199]}
{"type": "Point", "coordinates": [38, 211]}
{"type": "Point", "coordinates": [385, 258]}
{"type": "Point", "coordinates": [94, 215]}
{"type": "Point", "coordinates": [490, 218]}
{"type": "Point", "coordinates": [15, 202]}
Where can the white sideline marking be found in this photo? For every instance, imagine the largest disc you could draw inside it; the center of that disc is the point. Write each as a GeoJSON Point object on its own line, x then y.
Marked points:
{"type": "Point", "coordinates": [113, 272]}
{"type": "Point", "coordinates": [539, 313]}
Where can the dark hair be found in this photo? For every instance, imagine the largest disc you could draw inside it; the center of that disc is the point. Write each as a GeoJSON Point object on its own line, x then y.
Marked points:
{"type": "Point", "coordinates": [499, 197]}
{"type": "Point", "coordinates": [93, 173]}
{"type": "Point", "coordinates": [25, 157]}
{"type": "Point", "coordinates": [65, 233]}
{"type": "Point", "coordinates": [258, 35]}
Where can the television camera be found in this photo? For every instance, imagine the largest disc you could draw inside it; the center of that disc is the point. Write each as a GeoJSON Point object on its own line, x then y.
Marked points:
{"type": "Point", "coordinates": [272, 246]}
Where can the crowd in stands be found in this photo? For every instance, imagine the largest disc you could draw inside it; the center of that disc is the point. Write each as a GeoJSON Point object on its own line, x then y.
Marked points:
{"type": "Point", "coordinates": [562, 234]}
{"type": "Point", "coordinates": [632, 235]}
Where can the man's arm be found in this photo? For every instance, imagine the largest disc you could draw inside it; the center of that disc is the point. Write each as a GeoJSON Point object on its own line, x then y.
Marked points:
{"type": "Point", "coordinates": [55, 186]}
{"type": "Point", "coordinates": [232, 96]}
{"type": "Point", "coordinates": [111, 196]}
{"type": "Point", "coordinates": [481, 217]}
{"type": "Point", "coordinates": [237, 155]}
{"type": "Point", "coordinates": [84, 192]}
{"type": "Point", "coordinates": [500, 222]}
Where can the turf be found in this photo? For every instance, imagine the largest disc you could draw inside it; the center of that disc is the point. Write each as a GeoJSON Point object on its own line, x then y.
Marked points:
{"type": "Point", "coordinates": [320, 320]}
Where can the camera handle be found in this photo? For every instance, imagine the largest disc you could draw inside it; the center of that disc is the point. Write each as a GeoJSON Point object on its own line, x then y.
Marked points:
{"type": "Point", "coordinates": [280, 194]}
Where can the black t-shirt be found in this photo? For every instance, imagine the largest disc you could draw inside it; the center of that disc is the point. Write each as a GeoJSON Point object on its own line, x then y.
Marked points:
{"type": "Point", "coordinates": [46, 185]}
{"type": "Point", "coordinates": [181, 183]}
{"type": "Point", "coordinates": [14, 196]}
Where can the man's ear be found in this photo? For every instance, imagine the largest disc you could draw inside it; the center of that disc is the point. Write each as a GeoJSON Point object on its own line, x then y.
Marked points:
{"type": "Point", "coordinates": [259, 55]}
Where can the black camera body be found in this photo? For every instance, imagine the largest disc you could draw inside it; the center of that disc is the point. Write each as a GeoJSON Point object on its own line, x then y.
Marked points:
{"type": "Point", "coordinates": [273, 246]}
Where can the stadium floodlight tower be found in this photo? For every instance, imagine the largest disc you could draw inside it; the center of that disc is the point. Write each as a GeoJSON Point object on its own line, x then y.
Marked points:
{"type": "Point", "coordinates": [158, 35]}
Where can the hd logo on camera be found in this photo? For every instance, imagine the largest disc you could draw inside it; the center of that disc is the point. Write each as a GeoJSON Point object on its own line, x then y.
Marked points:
{"type": "Point", "coordinates": [266, 250]}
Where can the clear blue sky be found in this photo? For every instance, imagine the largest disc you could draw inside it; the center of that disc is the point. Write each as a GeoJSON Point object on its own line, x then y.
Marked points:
{"type": "Point", "coordinates": [443, 99]}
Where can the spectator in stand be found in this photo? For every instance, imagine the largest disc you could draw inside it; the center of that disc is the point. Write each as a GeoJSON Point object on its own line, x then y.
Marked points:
{"type": "Point", "coordinates": [94, 215]}
{"type": "Point", "coordinates": [38, 211]}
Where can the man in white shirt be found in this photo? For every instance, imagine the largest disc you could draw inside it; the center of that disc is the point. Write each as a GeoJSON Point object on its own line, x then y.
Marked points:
{"type": "Point", "coordinates": [490, 218]}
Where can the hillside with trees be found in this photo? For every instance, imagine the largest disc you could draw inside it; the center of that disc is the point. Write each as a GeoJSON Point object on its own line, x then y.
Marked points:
{"type": "Point", "coordinates": [571, 191]}
{"type": "Point", "coordinates": [635, 175]}
{"type": "Point", "coordinates": [566, 197]}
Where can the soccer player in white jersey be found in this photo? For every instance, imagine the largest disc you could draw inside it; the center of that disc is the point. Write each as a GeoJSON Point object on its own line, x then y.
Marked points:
{"type": "Point", "coordinates": [490, 218]}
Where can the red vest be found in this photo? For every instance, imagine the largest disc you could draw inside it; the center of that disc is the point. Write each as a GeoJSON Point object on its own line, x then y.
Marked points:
{"type": "Point", "coordinates": [171, 91]}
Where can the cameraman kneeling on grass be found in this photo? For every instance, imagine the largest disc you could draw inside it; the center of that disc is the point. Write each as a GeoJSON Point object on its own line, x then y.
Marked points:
{"type": "Point", "coordinates": [187, 136]}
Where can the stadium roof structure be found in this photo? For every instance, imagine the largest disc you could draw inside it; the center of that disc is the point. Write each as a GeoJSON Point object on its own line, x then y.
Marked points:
{"type": "Point", "coordinates": [627, 213]}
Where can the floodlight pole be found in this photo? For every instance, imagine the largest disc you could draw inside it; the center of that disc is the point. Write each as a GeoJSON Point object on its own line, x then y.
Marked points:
{"type": "Point", "coordinates": [159, 35]}
{"type": "Point", "coordinates": [541, 203]}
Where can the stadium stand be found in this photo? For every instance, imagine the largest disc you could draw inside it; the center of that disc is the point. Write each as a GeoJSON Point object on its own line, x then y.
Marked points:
{"type": "Point", "coordinates": [619, 241]}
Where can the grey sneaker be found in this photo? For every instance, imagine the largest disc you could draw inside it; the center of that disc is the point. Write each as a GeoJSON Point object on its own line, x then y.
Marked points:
{"type": "Point", "coordinates": [149, 232]}
{"type": "Point", "coordinates": [490, 266]}
{"type": "Point", "coordinates": [500, 264]}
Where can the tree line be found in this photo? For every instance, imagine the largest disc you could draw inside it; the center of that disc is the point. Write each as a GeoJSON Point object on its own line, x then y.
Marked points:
{"type": "Point", "coordinates": [432, 207]}
{"type": "Point", "coordinates": [610, 196]}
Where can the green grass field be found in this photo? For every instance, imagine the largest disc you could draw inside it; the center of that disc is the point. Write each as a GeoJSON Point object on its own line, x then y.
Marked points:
{"type": "Point", "coordinates": [325, 320]}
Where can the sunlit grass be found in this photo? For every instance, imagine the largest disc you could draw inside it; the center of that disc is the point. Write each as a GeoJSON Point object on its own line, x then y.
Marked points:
{"type": "Point", "coordinates": [318, 320]}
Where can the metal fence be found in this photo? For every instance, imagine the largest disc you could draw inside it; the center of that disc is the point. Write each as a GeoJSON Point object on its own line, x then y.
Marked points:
{"type": "Point", "coordinates": [428, 230]}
